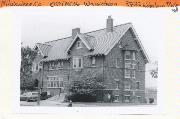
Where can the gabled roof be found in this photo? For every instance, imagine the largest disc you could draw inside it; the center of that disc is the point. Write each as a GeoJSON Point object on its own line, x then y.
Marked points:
{"type": "Point", "coordinates": [43, 48]}
{"type": "Point", "coordinates": [84, 38]}
{"type": "Point", "coordinates": [99, 42]}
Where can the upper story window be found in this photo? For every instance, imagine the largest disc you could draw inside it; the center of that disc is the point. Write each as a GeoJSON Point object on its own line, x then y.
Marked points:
{"type": "Point", "coordinates": [93, 60]}
{"type": "Point", "coordinates": [79, 44]}
{"type": "Point", "coordinates": [128, 65]}
{"type": "Point", "coordinates": [127, 73]}
{"type": "Point", "coordinates": [60, 64]}
{"type": "Point", "coordinates": [130, 55]}
{"type": "Point", "coordinates": [133, 55]}
{"type": "Point", "coordinates": [133, 72]}
{"type": "Point", "coordinates": [133, 65]}
{"type": "Point", "coordinates": [77, 62]}
{"type": "Point", "coordinates": [118, 62]}
{"type": "Point", "coordinates": [127, 55]}
{"type": "Point", "coordinates": [127, 87]}
{"type": "Point", "coordinates": [137, 85]}
{"type": "Point", "coordinates": [51, 65]}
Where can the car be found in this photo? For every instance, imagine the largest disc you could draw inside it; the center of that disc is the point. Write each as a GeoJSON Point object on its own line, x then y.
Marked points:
{"type": "Point", "coordinates": [29, 96]}
{"type": "Point", "coordinates": [23, 97]}
{"type": "Point", "coordinates": [32, 96]}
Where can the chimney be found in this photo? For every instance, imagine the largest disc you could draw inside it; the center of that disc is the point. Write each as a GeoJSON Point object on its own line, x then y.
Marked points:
{"type": "Point", "coordinates": [75, 31]}
{"type": "Point", "coordinates": [109, 24]}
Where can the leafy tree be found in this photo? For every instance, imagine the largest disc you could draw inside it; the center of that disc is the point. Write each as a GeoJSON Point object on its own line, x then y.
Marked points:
{"type": "Point", "coordinates": [154, 73]}
{"type": "Point", "coordinates": [86, 88]}
{"type": "Point", "coordinates": [27, 57]}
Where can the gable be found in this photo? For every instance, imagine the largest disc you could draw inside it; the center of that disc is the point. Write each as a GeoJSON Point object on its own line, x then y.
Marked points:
{"type": "Point", "coordinates": [78, 51]}
{"type": "Point", "coordinates": [131, 42]}
{"type": "Point", "coordinates": [83, 39]}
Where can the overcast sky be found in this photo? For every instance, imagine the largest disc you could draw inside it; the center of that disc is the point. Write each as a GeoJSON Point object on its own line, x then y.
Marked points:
{"type": "Point", "coordinates": [46, 24]}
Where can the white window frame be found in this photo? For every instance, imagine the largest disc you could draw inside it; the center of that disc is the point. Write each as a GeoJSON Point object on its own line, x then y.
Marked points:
{"type": "Point", "coordinates": [128, 65]}
{"type": "Point", "coordinates": [127, 87]}
{"type": "Point", "coordinates": [79, 44]}
{"type": "Point", "coordinates": [54, 82]}
{"type": "Point", "coordinates": [76, 62]}
{"type": "Point", "coordinates": [93, 60]}
{"type": "Point", "coordinates": [60, 64]}
{"type": "Point", "coordinates": [125, 73]}
{"type": "Point", "coordinates": [127, 52]}
{"type": "Point", "coordinates": [133, 65]}
{"type": "Point", "coordinates": [51, 65]}
{"type": "Point", "coordinates": [117, 61]}
{"type": "Point", "coordinates": [133, 55]}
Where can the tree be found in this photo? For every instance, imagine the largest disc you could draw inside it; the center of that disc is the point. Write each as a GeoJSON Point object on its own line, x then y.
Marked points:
{"type": "Point", "coordinates": [154, 73]}
{"type": "Point", "coordinates": [27, 57]}
{"type": "Point", "coordinates": [85, 89]}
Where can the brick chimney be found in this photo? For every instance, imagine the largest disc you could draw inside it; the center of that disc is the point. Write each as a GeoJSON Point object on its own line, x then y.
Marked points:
{"type": "Point", "coordinates": [109, 24]}
{"type": "Point", "coordinates": [75, 31]}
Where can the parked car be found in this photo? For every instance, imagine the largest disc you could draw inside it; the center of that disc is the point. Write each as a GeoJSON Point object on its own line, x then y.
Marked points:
{"type": "Point", "coordinates": [45, 95]}
{"type": "Point", "coordinates": [23, 97]}
{"type": "Point", "coordinates": [29, 96]}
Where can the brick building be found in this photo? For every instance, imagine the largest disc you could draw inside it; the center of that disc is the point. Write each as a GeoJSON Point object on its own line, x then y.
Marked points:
{"type": "Point", "coordinates": [114, 52]}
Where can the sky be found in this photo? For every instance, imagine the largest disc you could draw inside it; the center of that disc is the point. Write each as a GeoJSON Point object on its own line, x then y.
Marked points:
{"type": "Point", "coordinates": [39, 25]}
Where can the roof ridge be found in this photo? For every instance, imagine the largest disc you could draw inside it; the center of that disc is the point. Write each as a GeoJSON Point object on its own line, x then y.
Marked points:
{"type": "Point", "coordinates": [87, 32]}
{"type": "Point", "coordinates": [44, 44]}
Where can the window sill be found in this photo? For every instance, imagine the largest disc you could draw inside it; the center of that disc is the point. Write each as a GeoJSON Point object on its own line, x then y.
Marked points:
{"type": "Point", "coordinates": [93, 66]}
{"type": "Point", "coordinates": [127, 89]}
{"type": "Point", "coordinates": [54, 87]}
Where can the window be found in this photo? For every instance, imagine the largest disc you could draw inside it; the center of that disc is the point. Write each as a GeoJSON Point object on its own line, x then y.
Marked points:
{"type": "Point", "coordinates": [127, 98]}
{"type": "Point", "coordinates": [77, 62]}
{"type": "Point", "coordinates": [54, 82]}
{"type": "Point", "coordinates": [128, 65]}
{"type": "Point", "coordinates": [134, 55]}
{"type": "Point", "coordinates": [127, 73]}
{"type": "Point", "coordinates": [118, 62]}
{"type": "Point", "coordinates": [133, 73]}
{"type": "Point", "coordinates": [60, 64]}
{"type": "Point", "coordinates": [51, 65]}
{"type": "Point", "coordinates": [79, 44]}
{"type": "Point", "coordinates": [37, 67]}
{"type": "Point", "coordinates": [127, 87]}
{"type": "Point", "coordinates": [93, 60]}
{"type": "Point", "coordinates": [127, 55]}
{"type": "Point", "coordinates": [133, 65]}
{"type": "Point", "coordinates": [137, 85]}
{"type": "Point", "coordinates": [117, 85]}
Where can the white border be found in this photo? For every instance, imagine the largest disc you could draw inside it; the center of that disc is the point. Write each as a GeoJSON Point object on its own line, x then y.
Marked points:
{"type": "Point", "coordinates": [16, 108]}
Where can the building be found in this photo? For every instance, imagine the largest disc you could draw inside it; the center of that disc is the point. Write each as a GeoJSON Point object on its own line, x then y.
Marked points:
{"type": "Point", "coordinates": [114, 52]}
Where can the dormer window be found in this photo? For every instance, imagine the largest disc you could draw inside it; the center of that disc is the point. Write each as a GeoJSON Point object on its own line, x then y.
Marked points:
{"type": "Point", "coordinates": [79, 44]}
